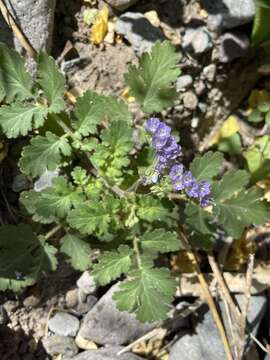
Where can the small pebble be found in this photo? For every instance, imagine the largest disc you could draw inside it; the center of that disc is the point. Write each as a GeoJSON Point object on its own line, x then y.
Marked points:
{"type": "Point", "coordinates": [60, 345]}
{"type": "Point", "coordinates": [184, 82]}
{"type": "Point", "coordinates": [71, 298]}
{"type": "Point", "coordinates": [85, 344]}
{"type": "Point", "coordinates": [64, 324]}
{"type": "Point", "coordinates": [190, 100]}
{"type": "Point", "coordinates": [31, 302]}
{"type": "Point", "coordinates": [209, 72]}
{"type": "Point", "coordinates": [197, 40]}
{"type": "Point", "coordinates": [87, 284]}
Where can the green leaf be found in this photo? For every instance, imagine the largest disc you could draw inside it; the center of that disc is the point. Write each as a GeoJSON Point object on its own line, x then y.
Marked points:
{"type": "Point", "coordinates": [255, 116]}
{"type": "Point", "coordinates": [93, 217]}
{"type": "Point", "coordinates": [57, 200]}
{"type": "Point", "coordinates": [258, 158]}
{"type": "Point", "coordinates": [91, 109]}
{"type": "Point", "coordinates": [231, 145]}
{"type": "Point", "coordinates": [198, 219]}
{"type": "Point", "coordinates": [16, 83]}
{"type": "Point", "coordinates": [29, 200]}
{"type": "Point", "coordinates": [23, 257]}
{"type": "Point", "coordinates": [111, 154]}
{"type": "Point", "coordinates": [150, 82]}
{"type": "Point", "coordinates": [148, 292]}
{"type": "Point", "coordinates": [207, 166]}
{"type": "Point", "coordinates": [267, 118]}
{"type": "Point", "coordinates": [112, 264]}
{"type": "Point", "coordinates": [77, 250]}
{"type": "Point", "coordinates": [232, 182]}
{"type": "Point", "coordinates": [261, 31]}
{"type": "Point", "coordinates": [241, 210]}
{"type": "Point", "coordinates": [263, 3]}
{"type": "Point", "coordinates": [19, 119]}
{"type": "Point", "coordinates": [160, 241]}
{"type": "Point", "coordinates": [52, 82]}
{"type": "Point", "coordinates": [44, 152]}
{"type": "Point", "coordinates": [152, 209]}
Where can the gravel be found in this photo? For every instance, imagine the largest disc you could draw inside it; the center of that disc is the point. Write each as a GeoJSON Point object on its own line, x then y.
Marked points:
{"type": "Point", "coordinates": [184, 82]}
{"type": "Point", "coordinates": [138, 31]}
{"type": "Point", "coordinates": [197, 40]}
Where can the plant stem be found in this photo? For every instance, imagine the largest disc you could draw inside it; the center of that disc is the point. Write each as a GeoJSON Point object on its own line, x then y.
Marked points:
{"type": "Point", "coordinates": [207, 294]}
{"type": "Point", "coordinates": [52, 231]}
{"type": "Point", "coordinates": [137, 251]}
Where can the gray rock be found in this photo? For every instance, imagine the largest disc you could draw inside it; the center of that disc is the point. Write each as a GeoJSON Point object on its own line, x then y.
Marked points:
{"type": "Point", "coordinates": [184, 82]}
{"type": "Point", "coordinates": [20, 183]}
{"type": "Point", "coordinates": [138, 31]}
{"type": "Point", "coordinates": [105, 324]}
{"type": "Point", "coordinates": [232, 46]}
{"type": "Point", "coordinates": [31, 302]}
{"type": "Point", "coordinates": [205, 343]}
{"type": "Point", "coordinates": [199, 87]}
{"type": "Point", "coordinates": [35, 18]}
{"type": "Point", "coordinates": [64, 324]}
{"type": "Point", "coordinates": [121, 4]}
{"type": "Point", "coordinates": [109, 353]}
{"type": "Point", "coordinates": [190, 100]}
{"type": "Point", "coordinates": [45, 180]}
{"type": "Point", "coordinates": [209, 72]}
{"type": "Point", "coordinates": [227, 14]}
{"type": "Point", "coordinates": [197, 40]}
{"type": "Point", "coordinates": [86, 283]}
{"type": "Point", "coordinates": [56, 345]}
{"type": "Point", "coordinates": [83, 307]}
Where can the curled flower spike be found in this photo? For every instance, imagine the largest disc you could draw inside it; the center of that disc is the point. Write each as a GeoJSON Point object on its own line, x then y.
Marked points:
{"type": "Point", "coordinates": [167, 151]}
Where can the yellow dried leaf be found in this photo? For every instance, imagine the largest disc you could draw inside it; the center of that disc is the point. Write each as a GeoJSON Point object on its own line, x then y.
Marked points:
{"type": "Point", "coordinates": [100, 27]}
{"type": "Point", "coordinates": [265, 185]}
{"type": "Point", "coordinates": [152, 16]}
{"type": "Point", "coordinates": [109, 38]}
{"type": "Point", "coordinates": [181, 262]}
{"type": "Point", "coordinates": [227, 129]}
{"type": "Point", "coordinates": [239, 252]}
{"type": "Point", "coordinates": [126, 96]}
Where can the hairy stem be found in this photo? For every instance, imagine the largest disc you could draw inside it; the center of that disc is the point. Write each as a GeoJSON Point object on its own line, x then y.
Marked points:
{"type": "Point", "coordinates": [52, 231]}
{"type": "Point", "coordinates": [137, 251]}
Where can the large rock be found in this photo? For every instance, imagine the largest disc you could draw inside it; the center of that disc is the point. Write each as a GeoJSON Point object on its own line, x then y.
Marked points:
{"type": "Point", "coordinates": [109, 353]}
{"type": "Point", "coordinates": [228, 14]}
{"type": "Point", "coordinates": [105, 324]}
{"type": "Point", "coordinates": [205, 343]}
{"type": "Point", "coordinates": [35, 18]}
{"type": "Point", "coordinates": [138, 31]}
{"type": "Point", "coordinates": [121, 4]}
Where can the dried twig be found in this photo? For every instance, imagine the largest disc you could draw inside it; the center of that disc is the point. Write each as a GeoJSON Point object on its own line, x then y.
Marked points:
{"type": "Point", "coordinates": [206, 292]}
{"type": "Point", "coordinates": [247, 296]}
{"type": "Point", "coordinates": [17, 31]}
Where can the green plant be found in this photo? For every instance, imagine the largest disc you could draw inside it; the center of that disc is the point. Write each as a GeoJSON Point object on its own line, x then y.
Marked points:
{"type": "Point", "coordinates": [113, 195]}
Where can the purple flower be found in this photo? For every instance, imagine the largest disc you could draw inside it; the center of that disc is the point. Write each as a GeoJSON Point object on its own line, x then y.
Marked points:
{"type": "Point", "coordinates": [152, 125]}
{"type": "Point", "coordinates": [204, 189]}
{"type": "Point", "coordinates": [193, 191]}
{"type": "Point", "coordinates": [172, 149]}
{"type": "Point", "coordinates": [178, 183]}
{"type": "Point", "coordinates": [176, 171]}
{"type": "Point", "coordinates": [188, 179]}
{"type": "Point", "coordinates": [205, 201]}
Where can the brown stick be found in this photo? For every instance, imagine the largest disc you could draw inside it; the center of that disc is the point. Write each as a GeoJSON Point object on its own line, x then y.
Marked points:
{"type": "Point", "coordinates": [17, 31]}
{"type": "Point", "coordinates": [206, 292]}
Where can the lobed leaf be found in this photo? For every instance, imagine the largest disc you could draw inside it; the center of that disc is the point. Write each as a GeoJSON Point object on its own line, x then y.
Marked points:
{"type": "Point", "coordinates": [160, 241]}
{"type": "Point", "coordinates": [112, 264]}
{"type": "Point", "coordinates": [77, 250]}
{"type": "Point", "coordinates": [44, 152]}
{"type": "Point", "coordinates": [152, 209]}
{"type": "Point", "coordinates": [23, 257]}
{"type": "Point", "coordinates": [231, 183]}
{"type": "Point", "coordinates": [16, 82]}
{"type": "Point", "coordinates": [91, 109]}
{"type": "Point", "coordinates": [207, 166]}
{"type": "Point", "coordinates": [198, 219]}
{"type": "Point", "coordinates": [52, 82]}
{"type": "Point", "coordinates": [57, 200]}
{"type": "Point", "coordinates": [150, 82]}
{"type": "Point", "coordinates": [148, 292]}
{"type": "Point", "coordinates": [19, 119]}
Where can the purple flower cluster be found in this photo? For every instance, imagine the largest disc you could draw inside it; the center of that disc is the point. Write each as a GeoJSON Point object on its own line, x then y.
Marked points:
{"type": "Point", "coordinates": [165, 145]}
{"type": "Point", "coordinates": [167, 150]}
